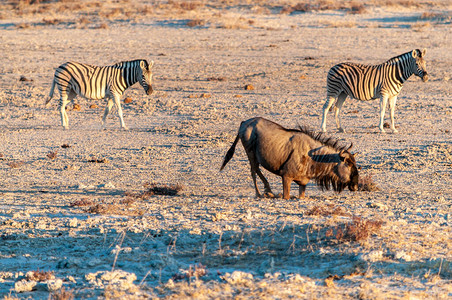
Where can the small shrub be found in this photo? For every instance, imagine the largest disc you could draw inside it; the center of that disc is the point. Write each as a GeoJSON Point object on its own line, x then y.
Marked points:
{"type": "Point", "coordinates": [355, 231]}
{"type": "Point", "coordinates": [83, 202]}
{"type": "Point", "coordinates": [195, 23]}
{"type": "Point", "coordinates": [40, 275]}
{"type": "Point", "coordinates": [62, 294]}
{"type": "Point", "coordinates": [16, 164]}
{"type": "Point", "coordinates": [367, 184]}
{"type": "Point", "coordinates": [52, 154]}
{"type": "Point", "coordinates": [330, 210]}
{"type": "Point", "coordinates": [169, 190]}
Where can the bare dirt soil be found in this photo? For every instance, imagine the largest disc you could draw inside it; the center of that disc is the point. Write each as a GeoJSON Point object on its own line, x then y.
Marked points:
{"type": "Point", "coordinates": [75, 220]}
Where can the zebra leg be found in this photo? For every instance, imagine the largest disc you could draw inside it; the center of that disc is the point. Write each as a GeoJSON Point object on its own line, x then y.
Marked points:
{"type": "Point", "coordinates": [383, 102]}
{"type": "Point", "coordinates": [337, 110]}
{"type": "Point", "coordinates": [64, 118]}
{"type": "Point", "coordinates": [392, 104]}
{"type": "Point", "coordinates": [330, 100]}
{"type": "Point", "coordinates": [107, 110]}
{"type": "Point", "coordinates": [121, 118]}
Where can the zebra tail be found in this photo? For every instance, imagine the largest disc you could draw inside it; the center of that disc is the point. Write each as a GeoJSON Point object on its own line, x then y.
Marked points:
{"type": "Point", "coordinates": [51, 92]}
{"type": "Point", "coordinates": [230, 153]}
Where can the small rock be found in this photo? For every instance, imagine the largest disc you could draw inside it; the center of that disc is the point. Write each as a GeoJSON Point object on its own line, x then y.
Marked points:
{"type": "Point", "coordinates": [237, 277]}
{"type": "Point", "coordinates": [24, 286]}
{"type": "Point", "coordinates": [54, 285]}
{"type": "Point", "coordinates": [128, 100]}
{"type": "Point", "coordinates": [73, 222]}
{"type": "Point", "coordinates": [93, 106]}
{"type": "Point", "coordinates": [402, 255]}
{"type": "Point", "coordinates": [377, 205]}
{"type": "Point", "coordinates": [249, 87]}
{"type": "Point", "coordinates": [372, 256]}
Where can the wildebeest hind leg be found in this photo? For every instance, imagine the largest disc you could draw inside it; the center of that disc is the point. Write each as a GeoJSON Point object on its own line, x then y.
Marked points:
{"type": "Point", "coordinates": [267, 189]}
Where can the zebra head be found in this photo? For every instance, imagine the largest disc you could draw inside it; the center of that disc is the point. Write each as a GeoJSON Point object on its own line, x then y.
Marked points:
{"type": "Point", "coordinates": [146, 76]}
{"type": "Point", "coordinates": [420, 68]}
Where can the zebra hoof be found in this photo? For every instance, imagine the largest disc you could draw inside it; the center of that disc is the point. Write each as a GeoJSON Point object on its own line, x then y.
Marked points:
{"type": "Point", "coordinates": [341, 130]}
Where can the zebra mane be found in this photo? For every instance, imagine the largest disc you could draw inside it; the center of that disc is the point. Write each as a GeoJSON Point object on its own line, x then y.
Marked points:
{"type": "Point", "coordinates": [397, 58]}
{"type": "Point", "coordinates": [320, 137]}
{"type": "Point", "coordinates": [133, 62]}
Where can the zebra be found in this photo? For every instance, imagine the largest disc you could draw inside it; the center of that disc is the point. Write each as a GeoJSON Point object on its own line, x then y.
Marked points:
{"type": "Point", "coordinates": [366, 82]}
{"type": "Point", "coordinates": [95, 82]}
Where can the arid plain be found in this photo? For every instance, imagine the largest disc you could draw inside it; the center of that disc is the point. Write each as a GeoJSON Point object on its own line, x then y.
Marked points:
{"type": "Point", "coordinates": [77, 218]}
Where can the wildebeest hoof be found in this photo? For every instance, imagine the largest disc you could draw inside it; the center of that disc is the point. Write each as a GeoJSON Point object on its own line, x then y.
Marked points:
{"type": "Point", "coordinates": [340, 129]}
{"type": "Point", "coordinates": [269, 195]}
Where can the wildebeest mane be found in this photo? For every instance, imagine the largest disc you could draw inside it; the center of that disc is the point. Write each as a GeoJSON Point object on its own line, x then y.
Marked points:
{"type": "Point", "coordinates": [320, 137]}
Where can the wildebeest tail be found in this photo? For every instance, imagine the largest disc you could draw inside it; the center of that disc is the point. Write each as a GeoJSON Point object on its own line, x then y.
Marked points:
{"type": "Point", "coordinates": [51, 92]}
{"type": "Point", "coordinates": [230, 153]}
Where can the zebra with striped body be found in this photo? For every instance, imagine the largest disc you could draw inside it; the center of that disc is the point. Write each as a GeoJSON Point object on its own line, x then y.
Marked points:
{"type": "Point", "coordinates": [95, 82]}
{"type": "Point", "coordinates": [364, 82]}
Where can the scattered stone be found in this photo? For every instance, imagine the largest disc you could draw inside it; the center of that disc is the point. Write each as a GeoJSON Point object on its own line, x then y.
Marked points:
{"type": "Point", "coordinates": [76, 107]}
{"type": "Point", "coordinates": [117, 279]}
{"type": "Point", "coordinates": [24, 285]}
{"type": "Point", "coordinates": [377, 205]}
{"type": "Point", "coordinates": [128, 100]}
{"type": "Point", "coordinates": [93, 106]}
{"type": "Point", "coordinates": [237, 277]}
{"type": "Point", "coordinates": [372, 256]}
{"type": "Point", "coordinates": [73, 222]}
{"type": "Point", "coordinates": [23, 78]}
{"type": "Point", "coordinates": [402, 255]}
{"type": "Point", "coordinates": [249, 87]}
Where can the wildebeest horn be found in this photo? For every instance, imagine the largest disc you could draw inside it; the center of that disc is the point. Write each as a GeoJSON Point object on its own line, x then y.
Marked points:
{"type": "Point", "coordinates": [351, 145]}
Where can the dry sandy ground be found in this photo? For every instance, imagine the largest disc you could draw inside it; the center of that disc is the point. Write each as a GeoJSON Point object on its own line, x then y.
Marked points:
{"type": "Point", "coordinates": [215, 239]}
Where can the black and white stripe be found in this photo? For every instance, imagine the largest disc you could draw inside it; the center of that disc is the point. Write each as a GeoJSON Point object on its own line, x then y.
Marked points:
{"type": "Point", "coordinates": [366, 82]}
{"type": "Point", "coordinates": [95, 82]}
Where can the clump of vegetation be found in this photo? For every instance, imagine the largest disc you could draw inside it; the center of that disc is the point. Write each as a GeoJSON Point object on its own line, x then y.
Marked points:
{"type": "Point", "coordinates": [198, 271]}
{"type": "Point", "coordinates": [52, 154]}
{"type": "Point", "coordinates": [196, 23]}
{"type": "Point", "coordinates": [115, 209]}
{"type": "Point", "coordinates": [40, 275]}
{"type": "Point", "coordinates": [162, 189]}
{"type": "Point", "coordinates": [329, 210]}
{"type": "Point", "coordinates": [16, 164]}
{"type": "Point", "coordinates": [82, 202]}
{"type": "Point", "coordinates": [62, 294]}
{"type": "Point", "coordinates": [358, 230]}
{"type": "Point", "coordinates": [367, 184]}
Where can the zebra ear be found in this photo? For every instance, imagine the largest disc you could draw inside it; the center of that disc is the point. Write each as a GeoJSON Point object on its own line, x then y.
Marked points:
{"type": "Point", "coordinates": [142, 64]}
{"type": "Point", "coordinates": [414, 53]}
{"type": "Point", "coordinates": [151, 64]}
{"type": "Point", "coordinates": [423, 52]}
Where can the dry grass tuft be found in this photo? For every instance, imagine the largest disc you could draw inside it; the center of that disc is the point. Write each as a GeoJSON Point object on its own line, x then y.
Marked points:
{"type": "Point", "coordinates": [40, 275]}
{"type": "Point", "coordinates": [198, 271]}
{"type": "Point", "coordinates": [115, 209]}
{"type": "Point", "coordinates": [83, 202]}
{"type": "Point", "coordinates": [52, 154]}
{"type": "Point", "coordinates": [62, 294]}
{"type": "Point", "coordinates": [367, 184]}
{"type": "Point", "coordinates": [168, 190]}
{"type": "Point", "coordinates": [196, 23]}
{"type": "Point", "coordinates": [355, 231]}
{"type": "Point", "coordinates": [329, 210]}
{"type": "Point", "coordinates": [16, 164]}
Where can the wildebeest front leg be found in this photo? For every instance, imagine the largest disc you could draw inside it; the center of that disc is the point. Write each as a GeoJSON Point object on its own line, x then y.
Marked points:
{"type": "Point", "coordinates": [286, 181]}
{"type": "Point", "coordinates": [253, 175]}
{"type": "Point", "coordinates": [302, 187]}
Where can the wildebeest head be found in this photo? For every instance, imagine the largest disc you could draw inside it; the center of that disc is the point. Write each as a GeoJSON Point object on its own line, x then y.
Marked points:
{"type": "Point", "coordinates": [347, 171]}
{"type": "Point", "coordinates": [146, 76]}
{"type": "Point", "coordinates": [420, 68]}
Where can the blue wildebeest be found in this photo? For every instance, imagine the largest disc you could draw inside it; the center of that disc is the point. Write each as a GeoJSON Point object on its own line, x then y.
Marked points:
{"type": "Point", "coordinates": [296, 155]}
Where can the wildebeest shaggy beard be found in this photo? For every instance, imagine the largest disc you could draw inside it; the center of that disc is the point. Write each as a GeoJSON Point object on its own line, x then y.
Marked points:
{"type": "Point", "coordinates": [296, 155]}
